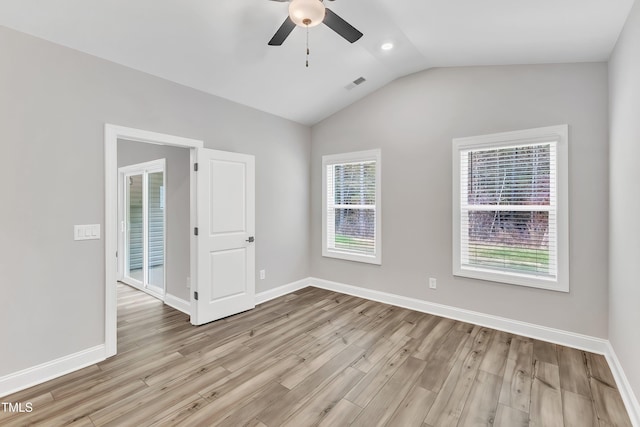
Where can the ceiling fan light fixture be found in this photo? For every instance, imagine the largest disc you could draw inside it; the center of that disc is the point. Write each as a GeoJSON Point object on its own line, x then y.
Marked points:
{"type": "Point", "coordinates": [306, 13]}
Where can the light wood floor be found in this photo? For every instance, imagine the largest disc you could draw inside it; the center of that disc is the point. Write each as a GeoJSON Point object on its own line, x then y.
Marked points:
{"type": "Point", "coordinates": [316, 357]}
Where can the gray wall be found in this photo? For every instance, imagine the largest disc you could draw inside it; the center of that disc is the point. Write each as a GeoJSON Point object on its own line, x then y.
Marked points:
{"type": "Point", "coordinates": [413, 121]}
{"type": "Point", "coordinates": [54, 104]}
{"type": "Point", "coordinates": [177, 172]}
{"type": "Point", "coordinates": [624, 226]}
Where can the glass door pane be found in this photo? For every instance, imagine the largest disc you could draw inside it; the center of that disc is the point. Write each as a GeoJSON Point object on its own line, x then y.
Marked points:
{"type": "Point", "coordinates": [135, 228]}
{"type": "Point", "coordinates": [156, 221]}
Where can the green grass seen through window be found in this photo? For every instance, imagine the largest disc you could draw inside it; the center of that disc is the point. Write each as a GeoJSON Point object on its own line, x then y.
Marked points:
{"type": "Point", "coordinates": [354, 244]}
{"type": "Point", "coordinates": [508, 257]}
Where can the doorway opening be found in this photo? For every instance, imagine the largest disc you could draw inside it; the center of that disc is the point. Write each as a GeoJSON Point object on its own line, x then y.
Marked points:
{"type": "Point", "coordinates": [221, 261]}
{"type": "Point", "coordinates": [114, 259]}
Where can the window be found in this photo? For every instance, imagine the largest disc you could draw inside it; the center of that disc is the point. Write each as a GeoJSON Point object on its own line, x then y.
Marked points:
{"type": "Point", "coordinates": [351, 217]}
{"type": "Point", "coordinates": [510, 207]}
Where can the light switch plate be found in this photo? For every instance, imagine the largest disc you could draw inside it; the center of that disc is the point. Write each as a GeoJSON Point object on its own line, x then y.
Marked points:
{"type": "Point", "coordinates": [86, 232]}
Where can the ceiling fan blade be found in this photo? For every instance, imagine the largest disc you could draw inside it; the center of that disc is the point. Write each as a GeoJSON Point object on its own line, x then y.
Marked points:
{"type": "Point", "coordinates": [283, 32]}
{"type": "Point", "coordinates": [341, 26]}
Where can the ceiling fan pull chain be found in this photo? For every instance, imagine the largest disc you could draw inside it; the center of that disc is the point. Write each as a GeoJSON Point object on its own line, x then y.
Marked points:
{"type": "Point", "coordinates": [307, 46]}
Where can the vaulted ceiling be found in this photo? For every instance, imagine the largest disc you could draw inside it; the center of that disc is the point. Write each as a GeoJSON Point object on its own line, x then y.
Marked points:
{"type": "Point", "coordinates": [220, 46]}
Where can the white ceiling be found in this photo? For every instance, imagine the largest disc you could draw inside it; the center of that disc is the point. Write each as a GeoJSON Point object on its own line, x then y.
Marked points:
{"type": "Point", "coordinates": [220, 46]}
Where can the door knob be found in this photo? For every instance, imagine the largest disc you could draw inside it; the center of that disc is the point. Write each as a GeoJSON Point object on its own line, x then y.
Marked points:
{"type": "Point", "coordinates": [251, 239]}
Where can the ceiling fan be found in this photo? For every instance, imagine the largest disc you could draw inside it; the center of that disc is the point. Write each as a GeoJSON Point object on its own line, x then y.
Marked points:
{"type": "Point", "coordinates": [309, 13]}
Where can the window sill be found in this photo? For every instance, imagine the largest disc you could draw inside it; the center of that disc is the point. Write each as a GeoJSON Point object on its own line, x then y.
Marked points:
{"type": "Point", "coordinates": [512, 279]}
{"type": "Point", "coordinates": [352, 257]}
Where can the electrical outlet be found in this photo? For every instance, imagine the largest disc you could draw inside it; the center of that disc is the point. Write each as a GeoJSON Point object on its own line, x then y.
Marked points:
{"type": "Point", "coordinates": [432, 283]}
{"type": "Point", "coordinates": [262, 274]}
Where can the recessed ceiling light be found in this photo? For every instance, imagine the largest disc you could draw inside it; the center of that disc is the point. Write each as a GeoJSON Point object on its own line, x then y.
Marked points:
{"type": "Point", "coordinates": [386, 46]}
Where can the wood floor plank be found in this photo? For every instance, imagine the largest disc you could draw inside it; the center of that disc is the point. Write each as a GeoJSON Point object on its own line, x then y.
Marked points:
{"type": "Point", "coordinates": [312, 362]}
{"type": "Point", "coordinates": [46, 388]}
{"type": "Point", "coordinates": [177, 415]}
{"type": "Point", "coordinates": [72, 409]}
{"type": "Point", "coordinates": [81, 422]}
{"type": "Point", "coordinates": [318, 357]}
{"type": "Point", "coordinates": [573, 371]}
{"type": "Point", "coordinates": [482, 404]}
{"type": "Point", "coordinates": [545, 352]}
{"type": "Point", "coordinates": [342, 414]}
{"type": "Point", "coordinates": [148, 400]}
{"type": "Point", "coordinates": [377, 377]}
{"type": "Point", "coordinates": [546, 398]}
{"type": "Point", "coordinates": [379, 351]}
{"type": "Point", "coordinates": [366, 307]}
{"type": "Point", "coordinates": [431, 341]}
{"type": "Point", "coordinates": [449, 404]}
{"type": "Point", "coordinates": [509, 417]}
{"type": "Point", "coordinates": [278, 412]}
{"type": "Point", "coordinates": [391, 395]}
{"type": "Point", "coordinates": [578, 410]}
{"type": "Point", "coordinates": [598, 368]}
{"type": "Point", "coordinates": [278, 343]}
{"type": "Point", "coordinates": [382, 327]}
{"type": "Point", "coordinates": [143, 368]}
{"type": "Point", "coordinates": [495, 359]}
{"type": "Point", "coordinates": [609, 405]}
{"type": "Point", "coordinates": [36, 402]}
{"type": "Point", "coordinates": [266, 397]}
{"type": "Point", "coordinates": [424, 325]}
{"type": "Point", "coordinates": [518, 375]}
{"type": "Point", "coordinates": [322, 403]}
{"type": "Point", "coordinates": [442, 359]}
{"type": "Point", "coordinates": [148, 414]}
{"type": "Point", "coordinates": [414, 408]}
{"type": "Point", "coordinates": [268, 368]}
{"type": "Point", "coordinates": [225, 398]}
{"type": "Point", "coordinates": [349, 333]}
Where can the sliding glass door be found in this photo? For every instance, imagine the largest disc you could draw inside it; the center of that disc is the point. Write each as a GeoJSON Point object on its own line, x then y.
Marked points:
{"type": "Point", "coordinates": [143, 222]}
{"type": "Point", "coordinates": [155, 231]}
{"type": "Point", "coordinates": [134, 224]}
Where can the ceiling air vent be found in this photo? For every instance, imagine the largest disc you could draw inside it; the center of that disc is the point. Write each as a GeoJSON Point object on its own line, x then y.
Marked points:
{"type": "Point", "coordinates": [355, 83]}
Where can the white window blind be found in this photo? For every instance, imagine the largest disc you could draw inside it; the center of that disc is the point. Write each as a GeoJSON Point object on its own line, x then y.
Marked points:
{"type": "Point", "coordinates": [511, 207]}
{"type": "Point", "coordinates": [351, 206]}
{"type": "Point", "coordinates": [508, 209]}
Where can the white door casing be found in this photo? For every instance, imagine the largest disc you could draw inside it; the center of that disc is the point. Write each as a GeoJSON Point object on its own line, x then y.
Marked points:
{"type": "Point", "coordinates": [226, 226]}
{"type": "Point", "coordinates": [111, 135]}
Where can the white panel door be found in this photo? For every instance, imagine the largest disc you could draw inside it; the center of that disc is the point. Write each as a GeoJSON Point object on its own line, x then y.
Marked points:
{"type": "Point", "coordinates": [225, 282]}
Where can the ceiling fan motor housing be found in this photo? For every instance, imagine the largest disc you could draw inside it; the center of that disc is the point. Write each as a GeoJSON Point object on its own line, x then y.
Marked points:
{"type": "Point", "coordinates": [306, 13]}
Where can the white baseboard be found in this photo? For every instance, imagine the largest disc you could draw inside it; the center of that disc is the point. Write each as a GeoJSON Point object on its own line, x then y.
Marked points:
{"type": "Point", "coordinates": [557, 336]}
{"type": "Point", "coordinates": [628, 396]}
{"type": "Point", "coordinates": [178, 303]}
{"type": "Point", "coordinates": [270, 294]}
{"type": "Point", "coordinates": [47, 371]}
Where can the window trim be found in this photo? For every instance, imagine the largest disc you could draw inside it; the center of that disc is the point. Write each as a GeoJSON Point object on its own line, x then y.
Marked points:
{"type": "Point", "coordinates": [358, 156]}
{"type": "Point", "coordinates": [558, 134]}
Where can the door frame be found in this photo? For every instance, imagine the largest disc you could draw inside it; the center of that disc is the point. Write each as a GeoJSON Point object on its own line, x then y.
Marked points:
{"type": "Point", "coordinates": [111, 135]}
{"type": "Point", "coordinates": [144, 169]}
